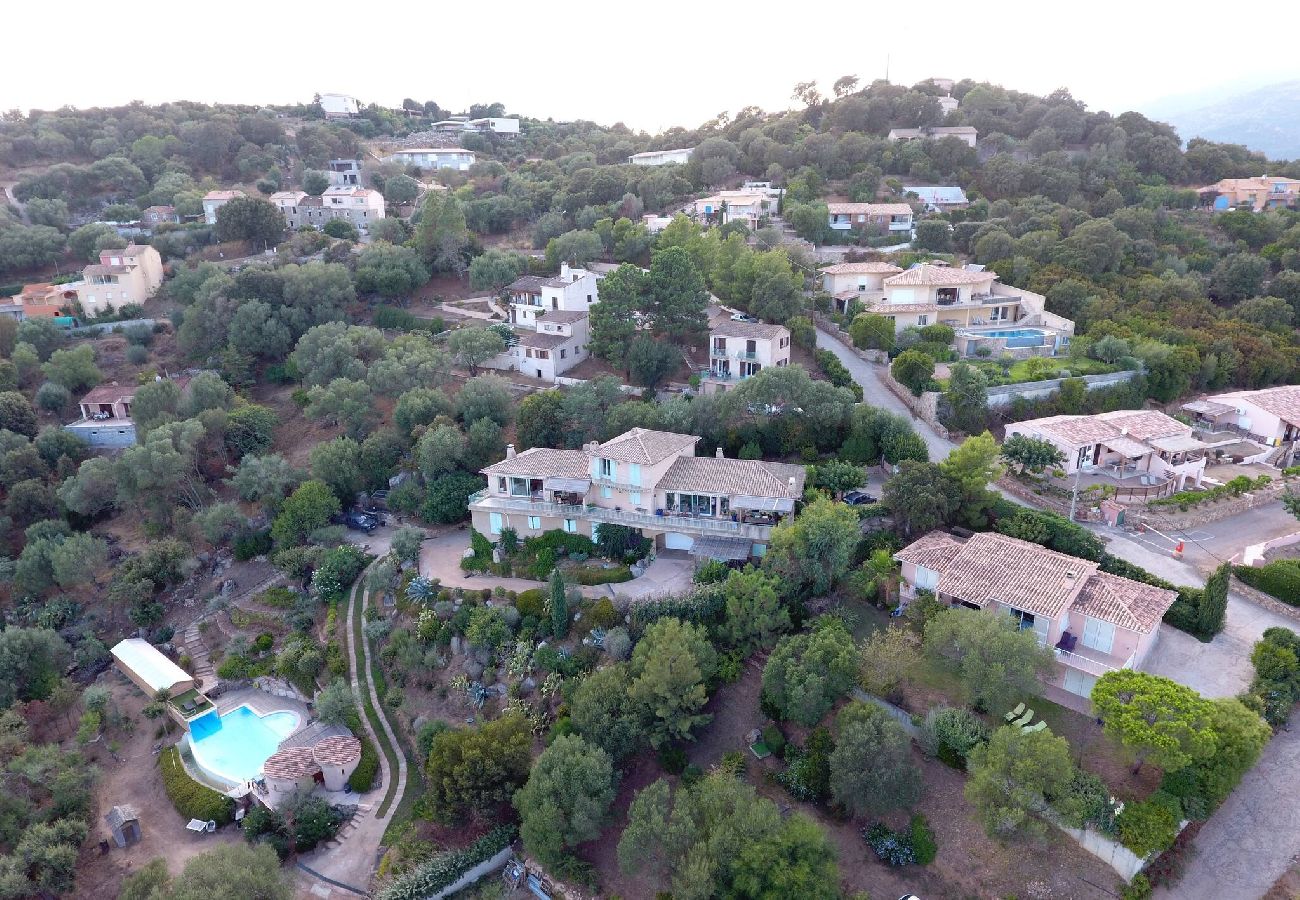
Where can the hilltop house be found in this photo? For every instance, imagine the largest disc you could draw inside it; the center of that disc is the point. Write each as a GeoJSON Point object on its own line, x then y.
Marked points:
{"type": "Point", "coordinates": [1094, 622]}
{"type": "Point", "coordinates": [214, 200]}
{"type": "Point", "coordinates": [712, 507]}
{"type": "Point", "coordinates": [964, 133]}
{"type": "Point", "coordinates": [976, 304]}
{"type": "Point", "coordinates": [557, 344]}
{"type": "Point", "coordinates": [106, 415]}
{"type": "Point", "coordinates": [856, 281]}
{"type": "Point", "coordinates": [938, 198]}
{"type": "Point", "coordinates": [153, 216]}
{"type": "Point", "coordinates": [747, 206]}
{"type": "Point", "coordinates": [344, 172]}
{"type": "Point", "coordinates": [573, 290]}
{"type": "Point", "coordinates": [1258, 193]}
{"type": "Point", "coordinates": [456, 158]}
{"type": "Point", "coordinates": [738, 350]}
{"type": "Point", "coordinates": [128, 276]}
{"type": "Point", "coordinates": [1141, 444]}
{"type": "Point", "coordinates": [883, 217]}
{"type": "Point", "coordinates": [339, 106]}
{"type": "Point", "coordinates": [41, 301]}
{"type": "Point", "coordinates": [680, 157]}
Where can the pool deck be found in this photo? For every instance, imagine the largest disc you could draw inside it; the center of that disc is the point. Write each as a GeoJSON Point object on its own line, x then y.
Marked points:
{"type": "Point", "coordinates": [260, 703]}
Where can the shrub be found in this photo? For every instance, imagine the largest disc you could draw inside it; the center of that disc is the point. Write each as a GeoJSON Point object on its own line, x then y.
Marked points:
{"type": "Point", "coordinates": [711, 572]}
{"type": "Point", "coordinates": [774, 740]}
{"type": "Point", "coordinates": [445, 868]}
{"type": "Point", "coordinates": [950, 734]}
{"type": "Point", "coordinates": [893, 847]}
{"type": "Point", "coordinates": [1146, 826]}
{"type": "Point", "coordinates": [363, 776]}
{"type": "Point", "coordinates": [252, 544]}
{"type": "Point", "coordinates": [673, 760]}
{"type": "Point", "coordinates": [603, 614]}
{"type": "Point", "coordinates": [191, 799]}
{"type": "Point", "coordinates": [923, 843]}
{"type": "Point", "coordinates": [589, 576]}
{"type": "Point", "coordinates": [531, 602]}
{"type": "Point", "coordinates": [1280, 579]}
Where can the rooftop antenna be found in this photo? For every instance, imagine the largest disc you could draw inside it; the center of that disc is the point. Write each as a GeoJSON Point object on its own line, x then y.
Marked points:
{"type": "Point", "coordinates": [886, 68]}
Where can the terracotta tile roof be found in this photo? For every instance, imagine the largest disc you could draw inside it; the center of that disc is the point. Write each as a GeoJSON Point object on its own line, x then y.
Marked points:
{"type": "Point", "coordinates": [1282, 401]}
{"type": "Point", "coordinates": [993, 567]}
{"type": "Point", "coordinates": [291, 762]}
{"type": "Point", "coordinates": [1128, 604]}
{"type": "Point", "coordinates": [562, 316]}
{"type": "Point", "coordinates": [543, 462]}
{"type": "Point", "coordinates": [934, 551]}
{"type": "Point", "coordinates": [926, 273]}
{"type": "Point", "coordinates": [94, 270]}
{"type": "Point", "coordinates": [1125, 431]}
{"type": "Point", "coordinates": [869, 209]}
{"type": "Point", "coordinates": [526, 284]}
{"type": "Point", "coordinates": [222, 195]}
{"type": "Point", "coordinates": [734, 476]}
{"type": "Point", "coordinates": [885, 308]}
{"type": "Point", "coordinates": [543, 340]}
{"type": "Point", "coordinates": [750, 330]}
{"type": "Point", "coordinates": [110, 393]}
{"type": "Point", "coordinates": [862, 268]}
{"type": "Point", "coordinates": [641, 445]}
{"type": "Point", "coordinates": [337, 751]}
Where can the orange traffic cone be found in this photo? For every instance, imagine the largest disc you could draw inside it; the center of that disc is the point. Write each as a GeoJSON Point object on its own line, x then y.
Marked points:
{"type": "Point", "coordinates": [1178, 550]}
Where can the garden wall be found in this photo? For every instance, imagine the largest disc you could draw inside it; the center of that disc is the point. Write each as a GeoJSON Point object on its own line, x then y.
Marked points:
{"type": "Point", "coordinates": [1173, 517]}
{"type": "Point", "coordinates": [924, 407]}
{"type": "Point", "coordinates": [1005, 394]}
{"type": "Point", "coordinates": [486, 867]}
{"type": "Point", "coordinates": [876, 357]}
{"type": "Point", "coordinates": [1256, 596]}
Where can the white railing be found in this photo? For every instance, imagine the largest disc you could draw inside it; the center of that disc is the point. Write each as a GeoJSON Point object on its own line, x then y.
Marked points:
{"type": "Point", "coordinates": [1089, 664]}
{"type": "Point", "coordinates": [486, 500]}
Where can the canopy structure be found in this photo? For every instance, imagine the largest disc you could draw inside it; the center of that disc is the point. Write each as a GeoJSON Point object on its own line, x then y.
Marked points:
{"type": "Point", "coordinates": [723, 549]}
{"type": "Point", "coordinates": [571, 485]}
{"type": "Point", "coordinates": [1126, 446]}
{"type": "Point", "coordinates": [1177, 443]}
{"type": "Point", "coordinates": [1208, 407]}
{"type": "Point", "coordinates": [763, 504]}
{"type": "Point", "coordinates": [151, 671]}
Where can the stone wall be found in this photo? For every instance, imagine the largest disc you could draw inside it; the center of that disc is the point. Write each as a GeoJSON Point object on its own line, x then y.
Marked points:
{"type": "Point", "coordinates": [486, 867]}
{"type": "Point", "coordinates": [1258, 597]}
{"type": "Point", "coordinates": [1005, 394]}
{"type": "Point", "coordinates": [924, 407]}
{"type": "Point", "coordinates": [1172, 517]}
{"type": "Point", "coordinates": [875, 357]}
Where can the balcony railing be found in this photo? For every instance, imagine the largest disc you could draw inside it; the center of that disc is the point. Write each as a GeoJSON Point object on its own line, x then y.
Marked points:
{"type": "Point", "coordinates": [1090, 664]}
{"type": "Point", "coordinates": [746, 354]}
{"type": "Point", "coordinates": [717, 352]}
{"type": "Point", "coordinates": [486, 500]}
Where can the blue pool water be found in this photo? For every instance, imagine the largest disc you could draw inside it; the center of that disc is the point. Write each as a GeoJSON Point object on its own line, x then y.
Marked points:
{"type": "Point", "coordinates": [1011, 333]}
{"type": "Point", "coordinates": [235, 745]}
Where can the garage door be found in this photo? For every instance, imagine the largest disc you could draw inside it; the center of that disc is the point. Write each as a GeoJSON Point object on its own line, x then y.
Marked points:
{"type": "Point", "coordinates": [675, 541]}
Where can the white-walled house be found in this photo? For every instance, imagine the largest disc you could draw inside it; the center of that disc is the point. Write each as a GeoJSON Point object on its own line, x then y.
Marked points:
{"type": "Point", "coordinates": [456, 158]}
{"type": "Point", "coordinates": [939, 197]}
{"type": "Point", "coordinates": [862, 281]}
{"type": "Point", "coordinates": [573, 290]}
{"type": "Point", "coordinates": [1269, 416]}
{"type": "Point", "coordinates": [748, 207]}
{"type": "Point", "coordinates": [339, 106]}
{"type": "Point", "coordinates": [214, 200]}
{"type": "Point", "coordinates": [680, 156]}
{"type": "Point", "coordinates": [738, 350]}
{"type": "Point", "coordinates": [1094, 622]}
{"type": "Point", "coordinates": [885, 217]}
{"type": "Point", "coordinates": [128, 276]}
{"type": "Point", "coordinates": [965, 133]}
{"type": "Point", "coordinates": [1129, 443]}
{"type": "Point", "coordinates": [557, 344]}
{"type": "Point", "coordinates": [713, 507]}
{"type": "Point", "coordinates": [977, 305]}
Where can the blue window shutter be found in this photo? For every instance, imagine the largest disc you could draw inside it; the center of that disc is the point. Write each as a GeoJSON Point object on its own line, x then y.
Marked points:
{"type": "Point", "coordinates": [595, 468]}
{"type": "Point", "coordinates": [634, 473]}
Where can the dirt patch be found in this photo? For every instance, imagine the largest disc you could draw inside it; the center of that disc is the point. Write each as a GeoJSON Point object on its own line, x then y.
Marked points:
{"type": "Point", "coordinates": [1287, 887]}
{"type": "Point", "coordinates": [133, 778]}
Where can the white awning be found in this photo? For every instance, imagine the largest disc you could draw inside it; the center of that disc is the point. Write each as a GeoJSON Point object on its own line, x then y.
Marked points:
{"type": "Point", "coordinates": [763, 504]}
{"type": "Point", "coordinates": [723, 549]}
{"type": "Point", "coordinates": [1177, 443]}
{"type": "Point", "coordinates": [1126, 446]}
{"type": "Point", "coordinates": [572, 485]}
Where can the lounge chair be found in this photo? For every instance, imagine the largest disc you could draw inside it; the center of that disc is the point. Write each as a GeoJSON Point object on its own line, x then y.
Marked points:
{"type": "Point", "coordinates": [1015, 713]}
{"type": "Point", "coordinates": [1025, 719]}
{"type": "Point", "coordinates": [210, 826]}
{"type": "Point", "coordinates": [197, 825]}
{"type": "Point", "coordinates": [1029, 729]}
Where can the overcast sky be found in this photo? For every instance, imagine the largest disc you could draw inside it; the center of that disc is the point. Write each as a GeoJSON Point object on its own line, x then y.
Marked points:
{"type": "Point", "coordinates": [668, 63]}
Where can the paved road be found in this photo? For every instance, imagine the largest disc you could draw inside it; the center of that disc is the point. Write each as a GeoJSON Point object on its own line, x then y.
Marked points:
{"type": "Point", "coordinates": [1210, 544]}
{"type": "Point", "coordinates": [1254, 836]}
{"type": "Point", "coordinates": [876, 394]}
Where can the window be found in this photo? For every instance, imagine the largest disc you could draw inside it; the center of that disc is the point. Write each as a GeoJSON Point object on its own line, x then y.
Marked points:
{"type": "Point", "coordinates": [535, 522]}
{"type": "Point", "coordinates": [501, 484]}
{"type": "Point", "coordinates": [494, 523]}
{"type": "Point", "coordinates": [606, 492]}
{"type": "Point", "coordinates": [634, 498]}
{"type": "Point", "coordinates": [564, 354]}
{"type": "Point", "coordinates": [1023, 619]}
{"type": "Point", "coordinates": [862, 287]}
{"type": "Point", "coordinates": [607, 468]}
{"type": "Point", "coordinates": [519, 487]}
{"type": "Point", "coordinates": [1098, 635]}
{"type": "Point", "coordinates": [634, 473]}
{"type": "Point", "coordinates": [922, 320]}
{"type": "Point", "coordinates": [571, 526]}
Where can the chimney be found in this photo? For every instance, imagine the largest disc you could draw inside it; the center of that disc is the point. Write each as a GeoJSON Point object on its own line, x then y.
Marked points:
{"type": "Point", "coordinates": [564, 272]}
{"type": "Point", "coordinates": [718, 454]}
{"type": "Point", "coordinates": [792, 484]}
{"type": "Point", "coordinates": [510, 451]}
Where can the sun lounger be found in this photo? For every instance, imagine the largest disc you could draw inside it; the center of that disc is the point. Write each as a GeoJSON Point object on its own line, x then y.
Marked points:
{"type": "Point", "coordinates": [1032, 728]}
{"type": "Point", "coordinates": [1025, 719]}
{"type": "Point", "coordinates": [1015, 713]}
{"type": "Point", "coordinates": [197, 825]}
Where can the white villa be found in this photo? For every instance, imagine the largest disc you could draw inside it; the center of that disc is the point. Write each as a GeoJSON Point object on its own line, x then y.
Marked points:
{"type": "Point", "coordinates": [434, 158]}
{"type": "Point", "coordinates": [573, 290]}
{"type": "Point", "coordinates": [738, 350]}
{"type": "Point", "coordinates": [891, 217]}
{"type": "Point", "coordinates": [711, 506]}
{"type": "Point", "coordinates": [747, 206]}
{"type": "Point", "coordinates": [965, 133]}
{"type": "Point", "coordinates": [680, 156]}
{"type": "Point", "coordinates": [557, 344]}
{"type": "Point", "coordinates": [1269, 417]}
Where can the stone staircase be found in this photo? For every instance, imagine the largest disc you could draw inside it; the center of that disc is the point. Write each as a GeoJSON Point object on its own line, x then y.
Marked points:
{"type": "Point", "coordinates": [196, 649]}
{"type": "Point", "coordinates": [348, 827]}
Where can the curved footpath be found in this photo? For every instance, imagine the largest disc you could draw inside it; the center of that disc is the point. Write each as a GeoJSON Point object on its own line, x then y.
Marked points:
{"type": "Point", "coordinates": [347, 870]}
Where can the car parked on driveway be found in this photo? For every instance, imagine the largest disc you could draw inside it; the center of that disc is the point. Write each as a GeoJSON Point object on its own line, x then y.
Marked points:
{"type": "Point", "coordinates": [359, 521]}
{"type": "Point", "coordinates": [859, 498]}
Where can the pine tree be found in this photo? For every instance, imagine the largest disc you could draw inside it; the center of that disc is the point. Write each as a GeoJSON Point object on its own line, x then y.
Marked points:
{"type": "Point", "coordinates": [559, 605]}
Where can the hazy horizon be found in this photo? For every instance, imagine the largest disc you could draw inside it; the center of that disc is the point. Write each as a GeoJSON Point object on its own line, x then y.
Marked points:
{"type": "Point", "coordinates": [689, 62]}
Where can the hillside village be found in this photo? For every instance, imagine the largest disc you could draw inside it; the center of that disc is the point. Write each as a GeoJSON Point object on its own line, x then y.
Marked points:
{"type": "Point", "coordinates": [893, 496]}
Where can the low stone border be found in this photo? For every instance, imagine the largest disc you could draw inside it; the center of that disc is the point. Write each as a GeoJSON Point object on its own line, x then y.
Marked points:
{"type": "Point", "coordinates": [1173, 517]}
{"type": "Point", "coordinates": [1272, 604]}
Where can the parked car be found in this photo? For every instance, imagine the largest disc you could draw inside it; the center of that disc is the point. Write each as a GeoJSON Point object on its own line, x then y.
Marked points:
{"type": "Point", "coordinates": [859, 498]}
{"type": "Point", "coordinates": [743, 317]}
{"type": "Point", "coordinates": [359, 521]}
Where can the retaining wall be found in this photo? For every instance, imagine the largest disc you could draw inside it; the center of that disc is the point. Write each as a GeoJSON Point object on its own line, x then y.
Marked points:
{"type": "Point", "coordinates": [486, 867]}
{"type": "Point", "coordinates": [924, 407]}
{"type": "Point", "coordinates": [1258, 597]}
{"type": "Point", "coordinates": [1173, 517]}
{"type": "Point", "coordinates": [1005, 394]}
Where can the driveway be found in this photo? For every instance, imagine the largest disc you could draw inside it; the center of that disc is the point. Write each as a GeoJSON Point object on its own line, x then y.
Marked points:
{"type": "Point", "coordinates": [1227, 539]}
{"type": "Point", "coordinates": [876, 394]}
{"type": "Point", "coordinates": [1254, 836]}
{"type": "Point", "coordinates": [1220, 668]}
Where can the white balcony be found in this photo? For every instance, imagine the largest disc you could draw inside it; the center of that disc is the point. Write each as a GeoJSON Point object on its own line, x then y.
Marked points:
{"type": "Point", "coordinates": [489, 502]}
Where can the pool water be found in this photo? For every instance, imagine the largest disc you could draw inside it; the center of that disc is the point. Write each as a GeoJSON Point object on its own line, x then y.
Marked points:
{"type": "Point", "coordinates": [235, 745]}
{"type": "Point", "coordinates": [1010, 333]}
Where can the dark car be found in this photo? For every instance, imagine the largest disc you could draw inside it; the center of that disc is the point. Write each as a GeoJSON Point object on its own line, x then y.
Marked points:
{"type": "Point", "coordinates": [859, 498]}
{"type": "Point", "coordinates": [359, 521]}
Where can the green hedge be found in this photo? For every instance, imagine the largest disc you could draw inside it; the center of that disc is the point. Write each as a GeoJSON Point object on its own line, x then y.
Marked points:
{"type": "Point", "coordinates": [363, 776]}
{"type": "Point", "coordinates": [191, 799]}
{"type": "Point", "coordinates": [446, 868]}
{"type": "Point", "coordinates": [1280, 579]}
{"type": "Point", "coordinates": [615, 575]}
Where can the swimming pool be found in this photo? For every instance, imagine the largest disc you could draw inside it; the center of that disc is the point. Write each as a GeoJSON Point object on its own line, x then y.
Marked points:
{"type": "Point", "coordinates": [234, 746]}
{"type": "Point", "coordinates": [1010, 333]}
